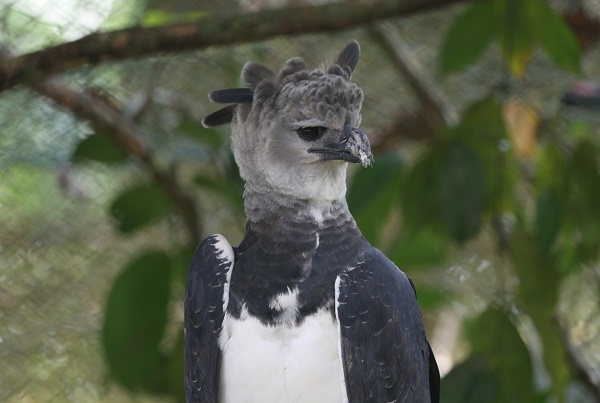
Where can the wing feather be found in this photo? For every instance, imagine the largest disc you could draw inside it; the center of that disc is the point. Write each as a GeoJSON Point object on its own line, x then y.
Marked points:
{"type": "Point", "coordinates": [206, 297]}
{"type": "Point", "coordinates": [384, 348]}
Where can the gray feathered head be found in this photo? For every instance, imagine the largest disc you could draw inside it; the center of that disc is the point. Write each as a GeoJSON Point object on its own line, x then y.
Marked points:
{"type": "Point", "coordinates": [293, 132]}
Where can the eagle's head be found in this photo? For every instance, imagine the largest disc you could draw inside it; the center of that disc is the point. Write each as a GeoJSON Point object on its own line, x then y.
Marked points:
{"type": "Point", "coordinates": [294, 131]}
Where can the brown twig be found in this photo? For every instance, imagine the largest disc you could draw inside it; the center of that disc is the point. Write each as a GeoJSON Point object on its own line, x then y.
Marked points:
{"type": "Point", "coordinates": [211, 31]}
{"type": "Point", "coordinates": [109, 120]}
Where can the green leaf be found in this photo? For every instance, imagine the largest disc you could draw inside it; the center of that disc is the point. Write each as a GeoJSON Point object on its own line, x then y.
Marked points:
{"type": "Point", "coordinates": [539, 279]}
{"type": "Point", "coordinates": [193, 16]}
{"type": "Point", "coordinates": [494, 337]}
{"type": "Point", "coordinates": [586, 175]}
{"type": "Point", "coordinates": [467, 172]}
{"type": "Point", "coordinates": [418, 200]}
{"type": "Point", "coordinates": [579, 128]}
{"type": "Point", "coordinates": [174, 369]}
{"type": "Point", "coordinates": [418, 249]}
{"type": "Point", "coordinates": [98, 148]}
{"type": "Point", "coordinates": [470, 382]}
{"type": "Point", "coordinates": [547, 218]}
{"type": "Point", "coordinates": [139, 206]}
{"type": "Point", "coordinates": [469, 35]}
{"type": "Point", "coordinates": [460, 192]}
{"type": "Point", "coordinates": [135, 318]}
{"type": "Point", "coordinates": [431, 298]}
{"type": "Point", "coordinates": [555, 37]}
{"type": "Point", "coordinates": [482, 124]}
{"type": "Point", "coordinates": [209, 136]}
{"type": "Point", "coordinates": [552, 168]}
{"type": "Point", "coordinates": [369, 182]}
{"type": "Point", "coordinates": [539, 286]}
{"type": "Point", "coordinates": [584, 198]}
{"type": "Point", "coordinates": [372, 194]}
{"type": "Point", "coordinates": [155, 18]}
{"type": "Point", "coordinates": [517, 32]}
{"type": "Point", "coordinates": [482, 128]}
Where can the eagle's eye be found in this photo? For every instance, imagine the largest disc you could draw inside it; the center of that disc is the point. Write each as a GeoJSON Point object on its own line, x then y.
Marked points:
{"type": "Point", "coordinates": [311, 133]}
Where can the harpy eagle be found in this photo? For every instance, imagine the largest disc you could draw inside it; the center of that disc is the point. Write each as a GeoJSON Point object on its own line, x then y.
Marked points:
{"type": "Point", "coordinates": [304, 309]}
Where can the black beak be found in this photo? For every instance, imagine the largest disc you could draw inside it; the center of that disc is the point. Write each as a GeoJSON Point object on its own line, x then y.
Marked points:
{"type": "Point", "coordinates": [353, 146]}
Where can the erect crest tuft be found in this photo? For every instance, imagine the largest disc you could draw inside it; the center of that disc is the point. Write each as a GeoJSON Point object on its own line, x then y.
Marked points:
{"type": "Point", "coordinates": [348, 57]}
{"type": "Point", "coordinates": [254, 73]}
{"type": "Point", "coordinates": [262, 82]}
{"type": "Point", "coordinates": [292, 66]}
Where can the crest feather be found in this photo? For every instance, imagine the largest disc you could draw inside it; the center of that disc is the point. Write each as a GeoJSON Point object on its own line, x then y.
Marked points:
{"type": "Point", "coordinates": [221, 117]}
{"type": "Point", "coordinates": [293, 65]}
{"type": "Point", "coordinates": [348, 57]}
{"type": "Point", "coordinates": [231, 96]}
{"type": "Point", "coordinates": [254, 73]}
{"type": "Point", "coordinates": [262, 82]}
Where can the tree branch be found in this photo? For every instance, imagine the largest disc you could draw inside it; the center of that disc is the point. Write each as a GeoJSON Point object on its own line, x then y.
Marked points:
{"type": "Point", "coordinates": [423, 123]}
{"type": "Point", "coordinates": [422, 84]}
{"type": "Point", "coordinates": [126, 134]}
{"type": "Point", "coordinates": [211, 31]}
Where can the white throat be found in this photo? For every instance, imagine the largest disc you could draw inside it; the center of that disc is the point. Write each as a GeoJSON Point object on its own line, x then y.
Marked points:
{"type": "Point", "coordinates": [321, 186]}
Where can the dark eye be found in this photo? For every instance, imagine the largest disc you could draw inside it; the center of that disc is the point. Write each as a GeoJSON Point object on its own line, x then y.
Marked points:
{"type": "Point", "coordinates": [311, 133]}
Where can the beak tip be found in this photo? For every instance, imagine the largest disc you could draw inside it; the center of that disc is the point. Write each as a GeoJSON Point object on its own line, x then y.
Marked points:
{"type": "Point", "coordinates": [358, 145]}
{"type": "Point", "coordinates": [365, 159]}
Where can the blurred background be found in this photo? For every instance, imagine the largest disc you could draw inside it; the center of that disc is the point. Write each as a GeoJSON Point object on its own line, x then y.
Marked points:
{"type": "Point", "coordinates": [485, 120]}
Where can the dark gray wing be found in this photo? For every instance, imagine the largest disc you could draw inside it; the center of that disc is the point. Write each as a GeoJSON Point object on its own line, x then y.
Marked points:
{"type": "Point", "coordinates": [204, 307]}
{"type": "Point", "coordinates": [384, 348]}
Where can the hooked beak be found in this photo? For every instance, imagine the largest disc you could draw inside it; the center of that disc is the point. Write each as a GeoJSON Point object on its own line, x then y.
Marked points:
{"type": "Point", "coordinates": [353, 146]}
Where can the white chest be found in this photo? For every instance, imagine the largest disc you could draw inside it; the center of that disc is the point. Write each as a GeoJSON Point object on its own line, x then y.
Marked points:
{"type": "Point", "coordinates": [282, 363]}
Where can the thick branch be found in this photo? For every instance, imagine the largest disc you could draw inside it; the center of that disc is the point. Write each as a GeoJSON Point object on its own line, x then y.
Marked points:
{"type": "Point", "coordinates": [211, 31]}
{"type": "Point", "coordinates": [126, 134]}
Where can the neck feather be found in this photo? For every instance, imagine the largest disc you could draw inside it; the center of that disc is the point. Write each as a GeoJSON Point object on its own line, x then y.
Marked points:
{"type": "Point", "coordinates": [269, 207]}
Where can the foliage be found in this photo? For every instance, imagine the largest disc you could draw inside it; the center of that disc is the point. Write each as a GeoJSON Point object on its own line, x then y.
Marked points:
{"type": "Point", "coordinates": [518, 26]}
{"type": "Point", "coordinates": [139, 206]}
{"type": "Point", "coordinates": [135, 319]}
